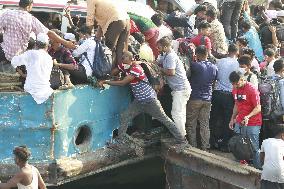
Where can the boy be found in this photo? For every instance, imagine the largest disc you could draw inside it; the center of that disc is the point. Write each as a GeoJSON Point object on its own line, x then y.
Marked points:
{"type": "Point", "coordinates": [272, 158]}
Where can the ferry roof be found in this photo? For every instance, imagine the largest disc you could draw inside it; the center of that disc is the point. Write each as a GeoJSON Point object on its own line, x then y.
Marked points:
{"type": "Point", "coordinates": [46, 6]}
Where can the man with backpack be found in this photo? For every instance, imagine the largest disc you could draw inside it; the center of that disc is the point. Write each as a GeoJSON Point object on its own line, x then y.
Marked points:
{"type": "Point", "coordinates": [145, 98]}
{"type": "Point", "coordinates": [246, 118]}
{"type": "Point", "coordinates": [175, 74]}
{"type": "Point", "coordinates": [272, 98]}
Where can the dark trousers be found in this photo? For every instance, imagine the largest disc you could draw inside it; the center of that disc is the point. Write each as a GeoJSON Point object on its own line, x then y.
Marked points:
{"type": "Point", "coordinates": [230, 16]}
{"type": "Point", "coordinates": [5, 65]}
{"type": "Point", "coordinates": [78, 76]}
{"type": "Point", "coordinates": [221, 112]}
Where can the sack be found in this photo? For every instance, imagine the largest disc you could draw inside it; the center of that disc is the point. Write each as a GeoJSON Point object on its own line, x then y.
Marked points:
{"type": "Point", "coordinates": [241, 147]}
{"type": "Point", "coordinates": [154, 75]}
{"type": "Point", "coordinates": [270, 97]}
{"type": "Point", "coordinates": [102, 64]}
{"type": "Point", "coordinates": [56, 78]}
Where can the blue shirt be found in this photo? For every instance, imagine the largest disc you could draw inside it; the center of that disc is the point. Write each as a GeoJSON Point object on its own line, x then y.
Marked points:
{"type": "Point", "coordinates": [179, 81]}
{"type": "Point", "coordinates": [254, 43]}
{"type": "Point", "coordinates": [225, 67]}
{"type": "Point", "coordinates": [203, 74]}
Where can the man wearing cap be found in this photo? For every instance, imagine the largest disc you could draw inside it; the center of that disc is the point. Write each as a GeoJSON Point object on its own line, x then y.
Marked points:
{"type": "Point", "coordinates": [39, 65]}
{"type": "Point", "coordinates": [17, 25]}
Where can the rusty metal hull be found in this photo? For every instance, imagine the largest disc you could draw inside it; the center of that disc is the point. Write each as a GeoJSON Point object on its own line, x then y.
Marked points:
{"type": "Point", "coordinates": [70, 124]}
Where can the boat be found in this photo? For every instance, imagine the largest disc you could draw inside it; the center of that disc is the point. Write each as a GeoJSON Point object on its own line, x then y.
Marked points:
{"type": "Point", "coordinates": [67, 134]}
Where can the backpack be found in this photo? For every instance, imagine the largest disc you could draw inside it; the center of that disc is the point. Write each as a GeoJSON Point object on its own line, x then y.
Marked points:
{"type": "Point", "coordinates": [270, 97]}
{"type": "Point", "coordinates": [154, 75]}
{"type": "Point", "coordinates": [56, 78]}
{"type": "Point", "coordinates": [102, 64]}
{"type": "Point", "coordinates": [241, 147]}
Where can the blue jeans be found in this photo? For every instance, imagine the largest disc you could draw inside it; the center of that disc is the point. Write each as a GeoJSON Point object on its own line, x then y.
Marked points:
{"type": "Point", "coordinates": [253, 133]}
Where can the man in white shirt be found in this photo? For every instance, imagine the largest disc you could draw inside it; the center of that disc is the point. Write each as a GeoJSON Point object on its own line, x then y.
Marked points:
{"type": "Point", "coordinates": [39, 65]}
{"type": "Point", "coordinates": [272, 157]}
{"type": "Point", "coordinates": [200, 2]}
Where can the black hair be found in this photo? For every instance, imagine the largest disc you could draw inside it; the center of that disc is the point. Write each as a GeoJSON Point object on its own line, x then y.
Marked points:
{"type": "Point", "coordinates": [31, 44]}
{"type": "Point", "coordinates": [233, 48]}
{"type": "Point", "coordinates": [85, 30]}
{"type": "Point", "coordinates": [269, 52]}
{"type": "Point", "coordinates": [157, 19]}
{"type": "Point", "coordinates": [245, 25]}
{"type": "Point", "coordinates": [204, 25]}
{"type": "Point", "coordinates": [178, 33]}
{"type": "Point", "coordinates": [242, 41]}
{"type": "Point", "coordinates": [25, 3]}
{"type": "Point", "coordinates": [201, 50]}
{"type": "Point", "coordinates": [245, 60]}
{"type": "Point", "coordinates": [22, 153]}
{"type": "Point", "coordinates": [279, 129]}
{"type": "Point", "coordinates": [41, 45]}
{"type": "Point", "coordinates": [200, 8]}
{"type": "Point", "coordinates": [211, 13]}
{"type": "Point", "coordinates": [235, 76]}
{"type": "Point", "coordinates": [249, 51]}
{"type": "Point", "coordinates": [139, 37]}
{"type": "Point", "coordinates": [278, 65]}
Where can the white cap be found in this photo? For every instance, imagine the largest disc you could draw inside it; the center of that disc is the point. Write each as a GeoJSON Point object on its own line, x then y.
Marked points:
{"type": "Point", "coordinates": [43, 38]}
{"type": "Point", "coordinates": [280, 13]}
{"type": "Point", "coordinates": [69, 36]}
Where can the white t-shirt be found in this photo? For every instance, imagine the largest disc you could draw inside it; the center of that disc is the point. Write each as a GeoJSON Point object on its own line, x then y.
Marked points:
{"type": "Point", "coordinates": [89, 46]}
{"type": "Point", "coordinates": [270, 69]}
{"type": "Point", "coordinates": [273, 168]}
{"type": "Point", "coordinates": [39, 65]}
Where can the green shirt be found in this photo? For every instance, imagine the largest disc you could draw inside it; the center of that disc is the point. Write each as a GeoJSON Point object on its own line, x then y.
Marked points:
{"type": "Point", "coordinates": [144, 24]}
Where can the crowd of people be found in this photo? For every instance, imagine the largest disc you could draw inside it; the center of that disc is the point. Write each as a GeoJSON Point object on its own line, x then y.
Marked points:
{"type": "Point", "coordinates": [215, 59]}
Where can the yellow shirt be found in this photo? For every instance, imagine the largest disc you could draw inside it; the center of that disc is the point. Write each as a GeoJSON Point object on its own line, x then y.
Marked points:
{"type": "Point", "coordinates": [105, 12]}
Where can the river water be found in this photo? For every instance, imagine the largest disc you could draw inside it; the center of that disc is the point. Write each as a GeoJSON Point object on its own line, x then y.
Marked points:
{"type": "Point", "coordinates": [148, 174]}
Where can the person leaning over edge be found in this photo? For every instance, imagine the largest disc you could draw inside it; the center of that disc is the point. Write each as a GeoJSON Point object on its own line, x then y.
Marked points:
{"type": "Point", "coordinates": [17, 25]}
{"type": "Point", "coordinates": [28, 177]}
{"type": "Point", "coordinates": [145, 98]}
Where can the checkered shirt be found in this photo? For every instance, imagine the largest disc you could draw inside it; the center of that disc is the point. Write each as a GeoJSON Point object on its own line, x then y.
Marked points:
{"type": "Point", "coordinates": [17, 26]}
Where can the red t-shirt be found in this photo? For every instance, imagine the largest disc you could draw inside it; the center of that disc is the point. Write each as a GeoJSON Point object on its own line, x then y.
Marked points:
{"type": "Point", "coordinates": [197, 41]}
{"type": "Point", "coordinates": [250, 96]}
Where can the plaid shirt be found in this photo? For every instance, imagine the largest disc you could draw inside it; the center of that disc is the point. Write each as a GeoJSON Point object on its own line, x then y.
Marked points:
{"type": "Point", "coordinates": [17, 26]}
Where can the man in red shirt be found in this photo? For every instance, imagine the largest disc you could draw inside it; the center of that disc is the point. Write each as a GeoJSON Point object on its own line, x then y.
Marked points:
{"type": "Point", "coordinates": [247, 111]}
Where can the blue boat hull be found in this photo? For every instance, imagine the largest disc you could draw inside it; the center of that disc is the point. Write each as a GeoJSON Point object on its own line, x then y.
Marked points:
{"type": "Point", "coordinates": [69, 123]}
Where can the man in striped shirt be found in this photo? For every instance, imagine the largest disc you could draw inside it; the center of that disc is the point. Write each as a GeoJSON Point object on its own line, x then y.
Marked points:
{"type": "Point", "coordinates": [145, 98]}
